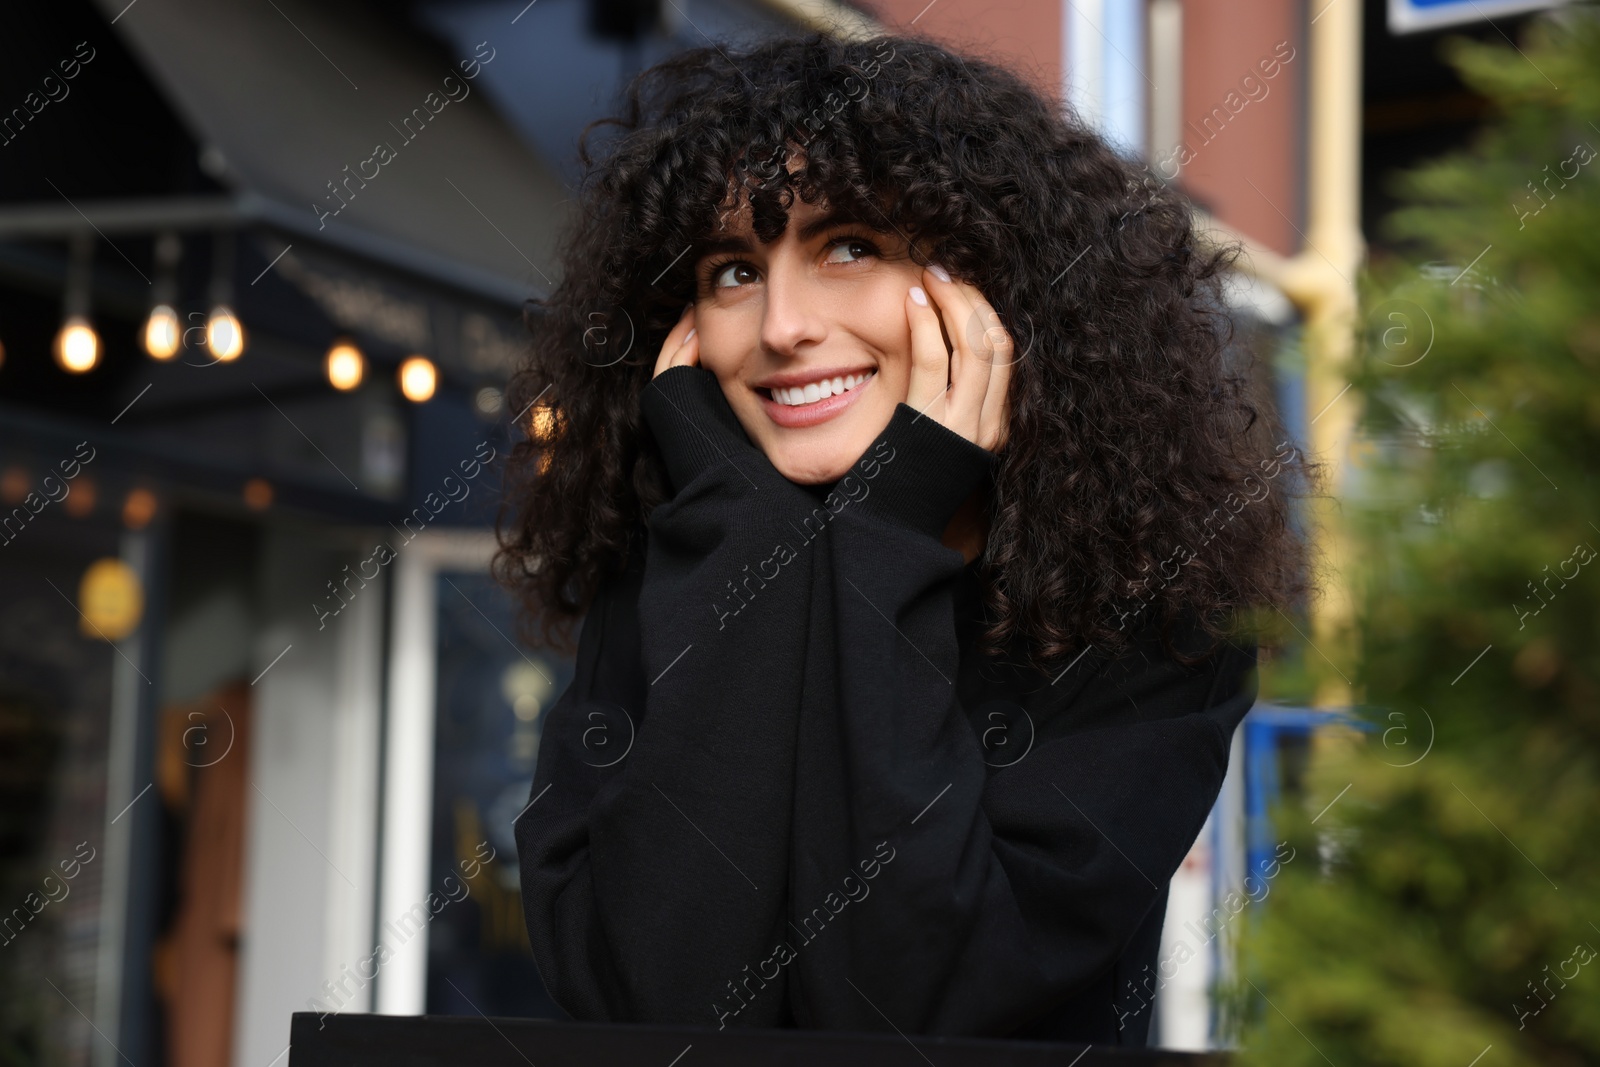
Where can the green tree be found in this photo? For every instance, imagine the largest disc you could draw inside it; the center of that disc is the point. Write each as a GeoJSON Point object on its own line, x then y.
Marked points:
{"type": "Point", "coordinates": [1447, 907]}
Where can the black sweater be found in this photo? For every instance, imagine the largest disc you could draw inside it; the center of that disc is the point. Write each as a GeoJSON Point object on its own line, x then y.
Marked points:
{"type": "Point", "coordinates": [784, 790]}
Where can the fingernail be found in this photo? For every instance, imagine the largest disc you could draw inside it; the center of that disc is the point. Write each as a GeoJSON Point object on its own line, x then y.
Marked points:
{"type": "Point", "coordinates": [919, 296]}
{"type": "Point", "coordinates": [690, 334]}
{"type": "Point", "coordinates": [938, 272]}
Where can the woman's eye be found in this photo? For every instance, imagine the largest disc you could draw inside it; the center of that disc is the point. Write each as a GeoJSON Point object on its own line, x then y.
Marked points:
{"type": "Point", "coordinates": [856, 247]}
{"type": "Point", "coordinates": [734, 274]}
{"type": "Point", "coordinates": [732, 269]}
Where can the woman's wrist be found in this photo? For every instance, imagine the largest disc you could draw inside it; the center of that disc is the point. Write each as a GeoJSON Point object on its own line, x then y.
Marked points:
{"type": "Point", "coordinates": [919, 472]}
{"type": "Point", "coordinates": [693, 424]}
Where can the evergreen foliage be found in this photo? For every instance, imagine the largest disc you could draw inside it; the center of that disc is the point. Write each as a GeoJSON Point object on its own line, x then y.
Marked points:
{"type": "Point", "coordinates": [1446, 910]}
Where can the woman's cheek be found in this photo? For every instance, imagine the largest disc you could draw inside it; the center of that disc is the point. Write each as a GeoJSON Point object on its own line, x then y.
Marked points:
{"type": "Point", "coordinates": [894, 374]}
{"type": "Point", "coordinates": [723, 360]}
{"type": "Point", "coordinates": [902, 381]}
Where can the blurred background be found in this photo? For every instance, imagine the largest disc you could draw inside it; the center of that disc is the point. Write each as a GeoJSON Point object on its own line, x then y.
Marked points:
{"type": "Point", "coordinates": [261, 273]}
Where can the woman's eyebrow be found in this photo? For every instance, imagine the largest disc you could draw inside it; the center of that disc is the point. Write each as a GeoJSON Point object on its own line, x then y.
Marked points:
{"type": "Point", "coordinates": [713, 245]}
{"type": "Point", "coordinates": [738, 243]}
{"type": "Point", "coordinates": [835, 217]}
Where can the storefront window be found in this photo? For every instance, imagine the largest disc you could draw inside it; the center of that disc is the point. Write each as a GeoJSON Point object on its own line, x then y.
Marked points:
{"type": "Point", "coordinates": [492, 695]}
{"type": "Point", "coordinates": [55, 727]}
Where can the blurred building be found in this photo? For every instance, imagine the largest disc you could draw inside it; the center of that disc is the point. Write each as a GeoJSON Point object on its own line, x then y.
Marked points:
{"type": "Point", "coordinates": [265, 720]}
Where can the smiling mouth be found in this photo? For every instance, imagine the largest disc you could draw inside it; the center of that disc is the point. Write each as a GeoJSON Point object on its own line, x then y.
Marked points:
{"type": "Point", "coordinates": [814, 392]}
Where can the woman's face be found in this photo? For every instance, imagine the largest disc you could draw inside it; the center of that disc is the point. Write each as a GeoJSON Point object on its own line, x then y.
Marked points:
{"type": "Point", "coordinates": [825, 302]}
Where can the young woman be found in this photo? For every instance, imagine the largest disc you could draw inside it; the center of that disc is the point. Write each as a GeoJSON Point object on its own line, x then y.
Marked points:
{"type": "Point", "coordinates": [911, 536]}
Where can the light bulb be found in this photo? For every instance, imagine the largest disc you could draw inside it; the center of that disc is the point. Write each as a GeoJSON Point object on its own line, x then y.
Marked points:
{"type": "Point", "coordinates": [418, 379]}
{"type": "Point", "coordinates": [77, 345]}
{"type": "Point", "coordinates": [542, 423]}
{"type": "Point", "coordinates": [258, 494]}
{"type": "Point", "coordinates": [345, 366]}
{"type": "Point", "coordinates": [224, 334]}
{"type": "Point", "coordinates": [138, 508]}
{"type": "Point", "coordinates": [162, 334]}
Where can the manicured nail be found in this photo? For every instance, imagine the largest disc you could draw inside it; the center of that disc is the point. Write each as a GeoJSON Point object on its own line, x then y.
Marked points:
{"type": "Point", "coordinates": [919, 296]}
{"type": "Point", "coordinates": [938, 272]}
{"type": "Point", "coordinates": [690, 334]}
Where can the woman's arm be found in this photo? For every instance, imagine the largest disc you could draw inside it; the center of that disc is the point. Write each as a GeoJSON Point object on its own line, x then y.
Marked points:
{"type": "Point", "coordinates": [938, 893]}
{"type": "Point", "coordinates": [984, 896]}
{"type": "Point", "coordinates": [652, 878]}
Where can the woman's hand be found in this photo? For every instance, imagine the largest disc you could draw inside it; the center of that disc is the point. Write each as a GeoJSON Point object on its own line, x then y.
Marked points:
{"type": "Point", "coordinates": [682, 346]}
{"type": "Point", "coordinates": [964, 388]}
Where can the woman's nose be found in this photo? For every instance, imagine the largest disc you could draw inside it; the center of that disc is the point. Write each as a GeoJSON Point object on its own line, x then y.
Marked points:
{"type": "Point", "coordinates": [793, 315]}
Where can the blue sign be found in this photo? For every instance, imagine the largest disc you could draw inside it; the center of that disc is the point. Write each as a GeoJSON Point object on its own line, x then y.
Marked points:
{"type": "Point", "coordinates": [1414, 16]}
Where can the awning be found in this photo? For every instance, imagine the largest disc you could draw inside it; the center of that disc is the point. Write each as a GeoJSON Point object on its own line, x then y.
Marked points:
{"type": "Point", "coordinates": [327, 111]}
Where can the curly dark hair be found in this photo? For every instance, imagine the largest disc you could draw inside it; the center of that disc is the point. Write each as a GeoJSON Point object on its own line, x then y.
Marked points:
{"type": "Point", "coordinates": [1130, 430]}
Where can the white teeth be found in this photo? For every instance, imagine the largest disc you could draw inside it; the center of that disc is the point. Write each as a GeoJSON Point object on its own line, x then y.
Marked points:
{"type": "Point", "coordinates": [815, 391]}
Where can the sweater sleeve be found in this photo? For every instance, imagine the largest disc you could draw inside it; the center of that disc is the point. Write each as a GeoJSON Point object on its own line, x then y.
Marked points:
{"type": "Point", "coordinates": [804, 824]}
{"type": "Point", "coordinates": [654, 852]}
{"type": "Point", "coordinates": [944, 885]}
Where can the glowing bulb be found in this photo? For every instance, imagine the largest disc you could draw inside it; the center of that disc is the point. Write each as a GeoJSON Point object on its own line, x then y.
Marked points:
{"type": "Point", "coordinates": [418, 379]}
{"type": "Point", "coordinates": [80, 501]}
{"type": "Point", "coordinates": [344, 366]}
{"type": "Point", "coordinates": [138, 508]}
{"type": "Point", "coordinates": [224, 335]}
{"type": "Point", "coordinates": [77, 345]}
{"type": "Point", "coordinates": [162, 334]}
{"type": "Point", "coordinates": [542, 423]}
{"type": "Point", "coordinates": [258, 494]}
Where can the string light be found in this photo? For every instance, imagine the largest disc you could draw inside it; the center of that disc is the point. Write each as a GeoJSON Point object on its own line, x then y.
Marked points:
{"type": "Point", "coordinates": [79, 503]}
{"type": "Point", "coordinates": [542, 423]}
{"type": "Point", "coordinates": [418, 379]}
{"type": "Point", "coordinates": [224, 334]}
{"type": "Point", "coordinates": [138, 508]}
{"type": "Point", "coordinates": [345, 366]}
{"type": "Point", "coordinates": [77, 346]}
{"type": "Point", "coordinates": [162, 333]}
{"type": "Point", "coordinates": [258, 494]}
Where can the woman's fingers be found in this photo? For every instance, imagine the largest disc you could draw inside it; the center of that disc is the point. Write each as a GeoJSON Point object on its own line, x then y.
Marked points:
{"type": "Point", "coordinates": [978, 360]}
{"type": "Point", "coordinates": [955, 301]}
{"type": "Point", "coordinates": [682, 346]}
{"type": "Point", "coordinates": [930, 357]}
{"type": "Point", "coordinates": [998, 350]}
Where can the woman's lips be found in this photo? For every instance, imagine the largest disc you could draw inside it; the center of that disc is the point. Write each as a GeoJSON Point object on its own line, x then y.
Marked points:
{"type": "Point", "coordinates": [796, 416]}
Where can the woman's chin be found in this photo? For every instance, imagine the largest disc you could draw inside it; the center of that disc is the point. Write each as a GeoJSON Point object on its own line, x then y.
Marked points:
{"type": "Point", "coordinates": [812, 470]}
